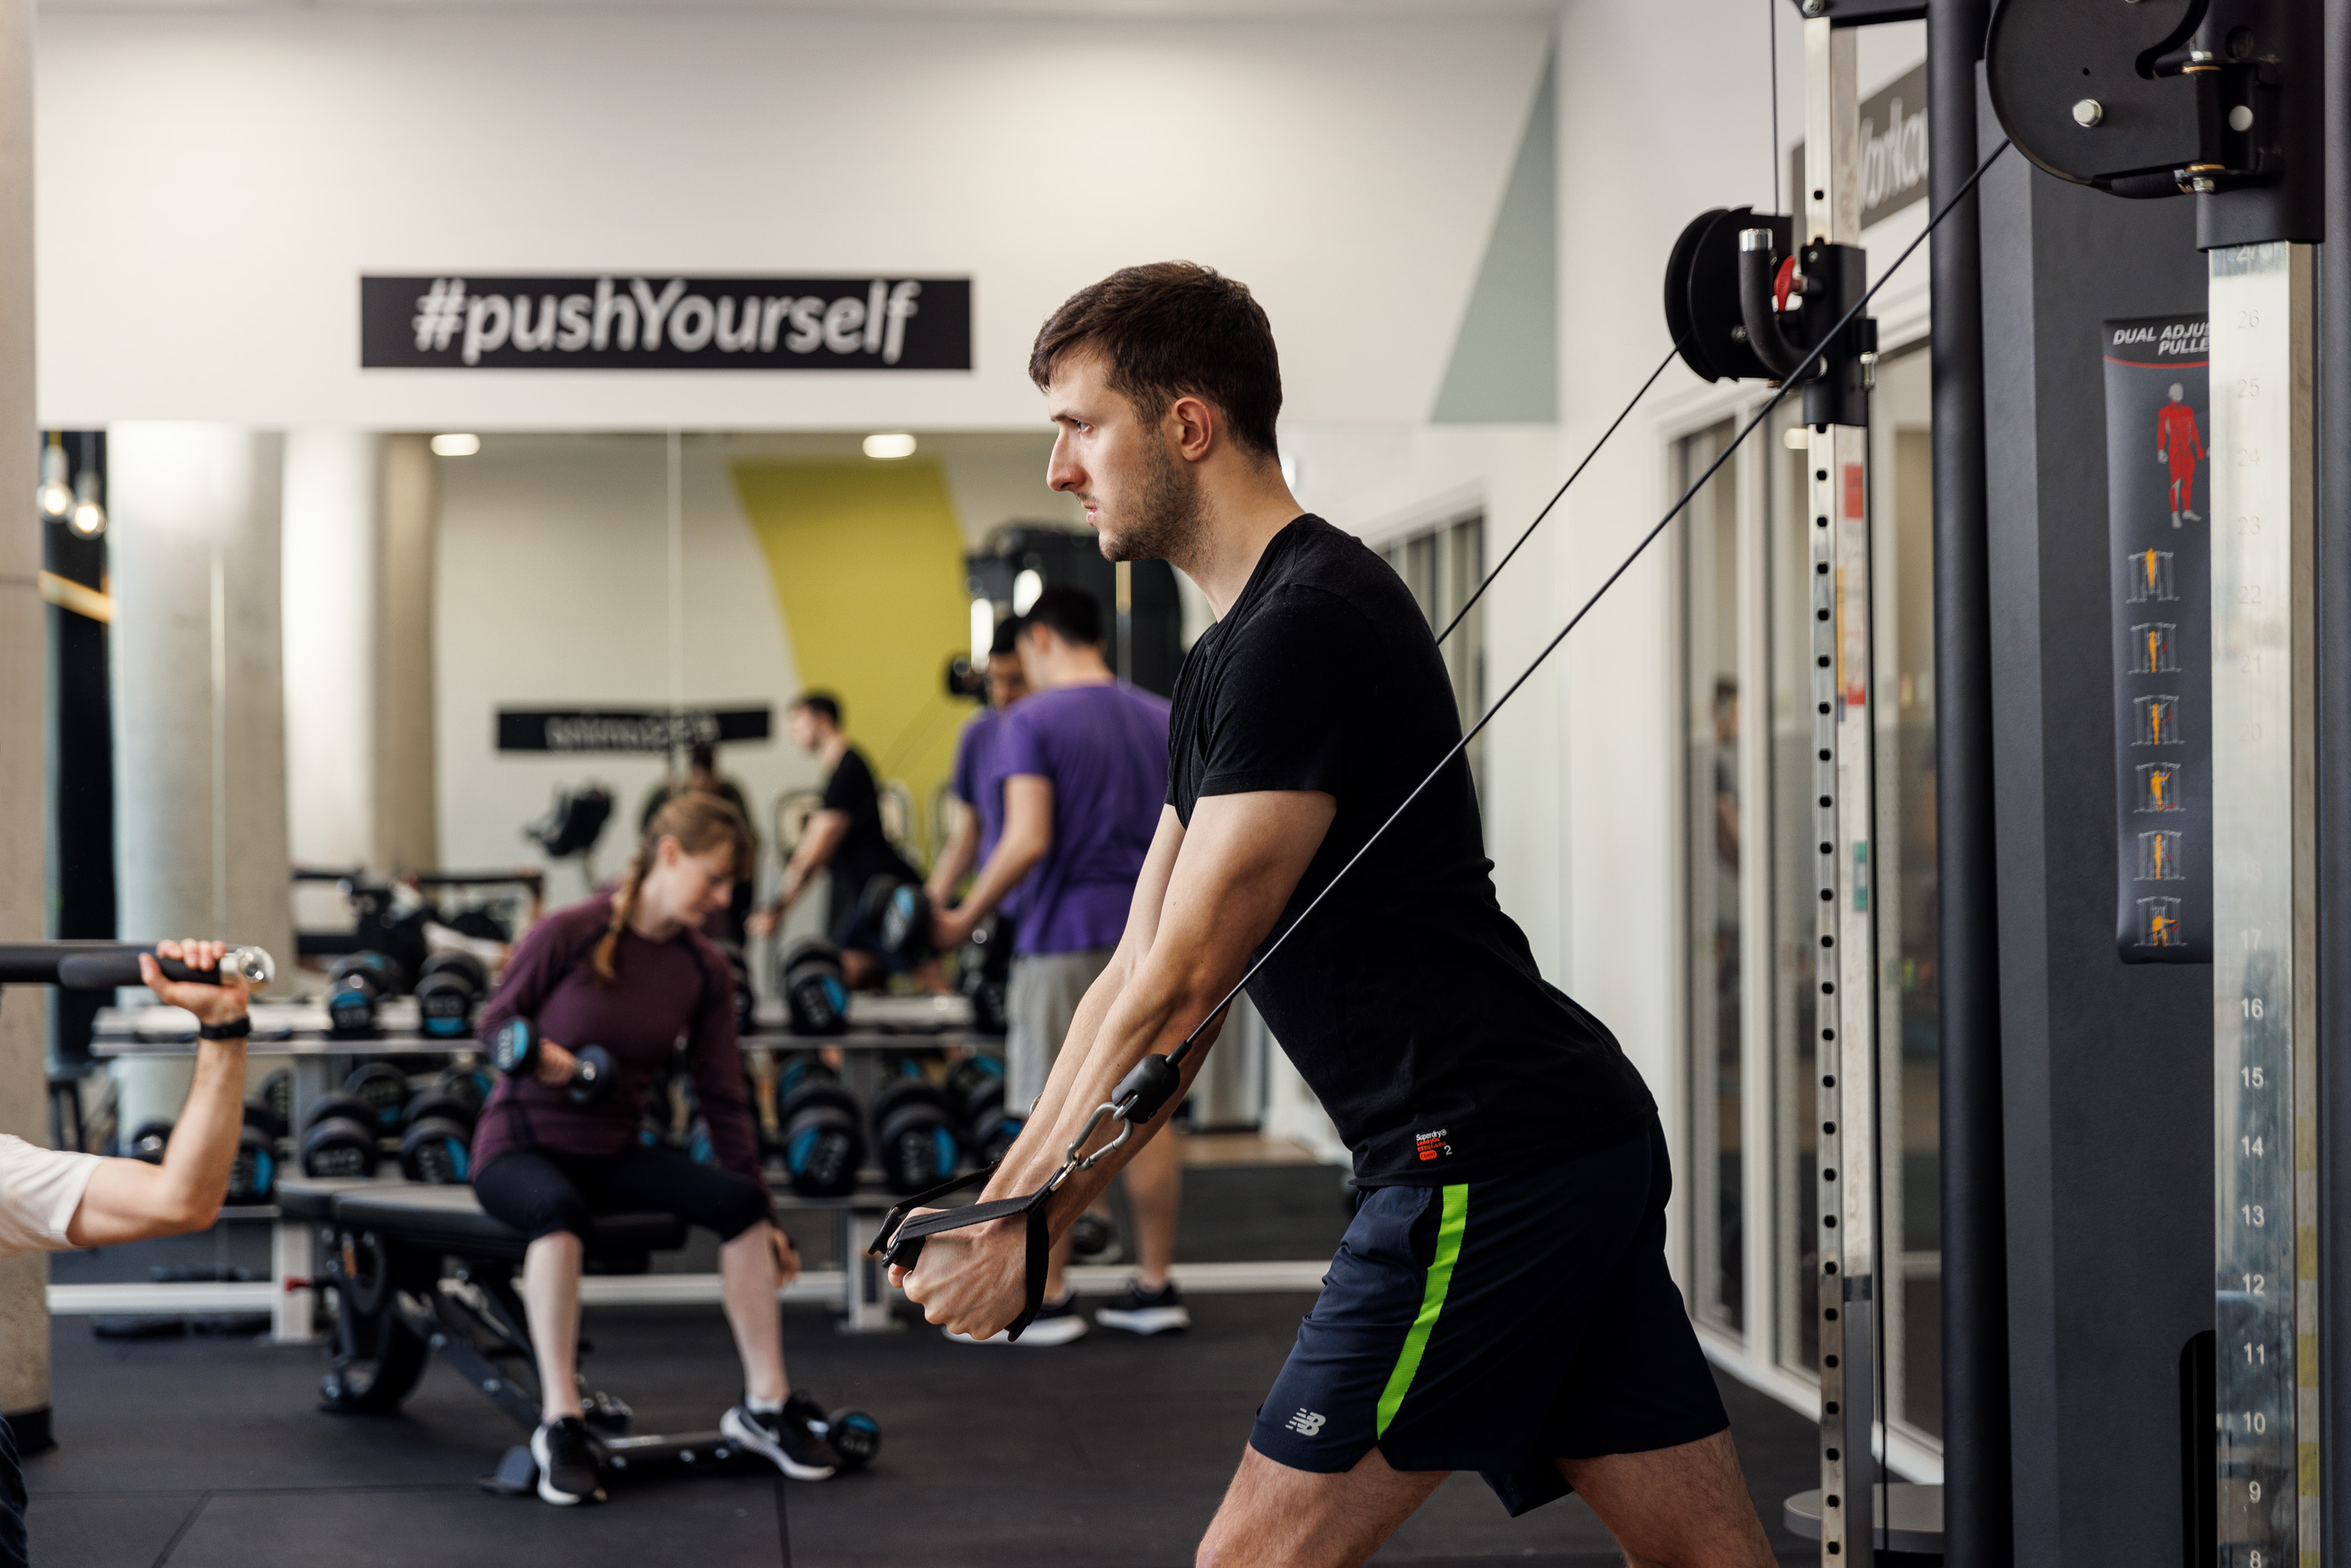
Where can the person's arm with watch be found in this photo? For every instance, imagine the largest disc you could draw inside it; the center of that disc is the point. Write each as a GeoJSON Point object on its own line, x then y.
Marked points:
{"type": "Point", "coordinates": [131, 1200]}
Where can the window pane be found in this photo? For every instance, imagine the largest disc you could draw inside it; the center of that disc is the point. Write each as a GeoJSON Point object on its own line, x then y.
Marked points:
{"type": "Point", "coordinates": [1711, 620]}
{"type": "Point", "coordinates": [1902, 491]}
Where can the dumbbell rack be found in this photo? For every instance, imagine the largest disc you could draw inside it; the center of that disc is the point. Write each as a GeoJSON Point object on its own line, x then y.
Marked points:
{"type": "Point", "coordinates": [297, 1032]}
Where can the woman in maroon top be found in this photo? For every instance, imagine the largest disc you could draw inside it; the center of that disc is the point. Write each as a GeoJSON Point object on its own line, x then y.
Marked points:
{"type": "Point", "coordinates": [631, 971]}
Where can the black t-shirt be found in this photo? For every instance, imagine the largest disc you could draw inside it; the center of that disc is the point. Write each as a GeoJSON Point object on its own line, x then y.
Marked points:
{"type": "Point", "coordinates": [864, 851]}
{"type": "Point", "coordinates": [1410, 1003]}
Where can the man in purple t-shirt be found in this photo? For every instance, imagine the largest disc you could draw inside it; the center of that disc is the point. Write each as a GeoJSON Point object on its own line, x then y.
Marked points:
{"type": "Point", "coordinates": [1084, 760]}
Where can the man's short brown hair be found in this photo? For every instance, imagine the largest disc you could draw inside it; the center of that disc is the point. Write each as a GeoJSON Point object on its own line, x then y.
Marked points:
{"type": "Point", "coordinates": [1171, 329]}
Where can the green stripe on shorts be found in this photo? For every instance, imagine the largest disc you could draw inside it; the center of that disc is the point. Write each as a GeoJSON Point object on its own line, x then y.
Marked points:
{"type": "Point", "coordinates": [1432, 1301]}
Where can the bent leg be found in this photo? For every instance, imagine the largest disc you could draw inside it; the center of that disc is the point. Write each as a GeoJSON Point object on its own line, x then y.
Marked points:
{"type": "Point", "coordinates": [537, 1197]}
{"type": "Point", "coordinates": [1273, 1514]}
{"type": "Point", "coordinates": [736, 1208]}
{"type": "Point", "coordinates": [550, 1299]}
{"type": "Point", "coordinates": [747, 1279]}
{"type": "Point", "coordinates": [1684, 1507]}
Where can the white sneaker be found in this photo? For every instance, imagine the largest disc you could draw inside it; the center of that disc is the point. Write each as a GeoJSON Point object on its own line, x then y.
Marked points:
{"type": "Point", "coordinates": [1057, 1322]}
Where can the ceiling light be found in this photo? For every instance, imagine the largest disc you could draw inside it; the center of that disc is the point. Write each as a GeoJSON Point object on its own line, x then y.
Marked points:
{"type": "Point", "coordinates": [982, 632]}
{"type": "Point", "coordinates": [88, 518]}
{"type": "Point", "coordinates": [455, 445]}
{"type": "Point", "coordinates": [55, 493]}
{"type": "Point", "coordinates": [897, 444]}
{"type": "Point", "coordinates": [1025, 590]}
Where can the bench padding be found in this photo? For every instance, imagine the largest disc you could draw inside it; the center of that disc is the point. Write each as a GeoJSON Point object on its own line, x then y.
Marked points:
{"type": "Point", "coordinates": [450, 1218]}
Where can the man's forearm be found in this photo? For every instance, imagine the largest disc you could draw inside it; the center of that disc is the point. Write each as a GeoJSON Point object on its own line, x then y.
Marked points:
{"type": "Point", "coordinates": [1149, 1014]}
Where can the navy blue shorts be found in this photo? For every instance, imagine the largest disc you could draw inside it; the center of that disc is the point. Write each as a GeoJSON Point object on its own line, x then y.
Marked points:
{"type": "Point", "coordinates": [1498, 1326]}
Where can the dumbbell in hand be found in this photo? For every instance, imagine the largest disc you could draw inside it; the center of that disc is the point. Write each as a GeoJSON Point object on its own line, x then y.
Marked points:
{"type": "Point", "coordinates": [519, 1048]}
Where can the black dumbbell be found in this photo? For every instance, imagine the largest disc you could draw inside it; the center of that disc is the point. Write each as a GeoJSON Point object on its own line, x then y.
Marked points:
{"type": "Point", "coordinates": [341, 1139]}
{"type": "Point", "coordinates": [746, 1002]}
{"type": "Point", "coordinates": [261, 1114]}
{"type": "Point", "coordinates": [515, 1052]}
{"type": "Point", "coordinates": [983, 967]}
{"type": "Point", "coordinates": [855, 1436]}
{"type": "Point", "coordinates": [898, 914]}
{"type": "Point", "coordinates": [823, 1135]}
{"type": "Point", "coordinates": [989, 1126]}
{"type": "Point", "coordinates": [447, 989]}
{"type": "Point", "coordinates": [360, 983]}
{"type": "Point", "coordinates": [914, 1135]}
{"type": "Point", "coordinates": [253, 1176]}
{"type": "Point", "coordinates": [470, 1084]}
{"type": "Point", "coordinates": [383, 1089]}
{"type": "Point", "coordinates": [277, 1092]}
{"type": "Point", "coordinates": [816, 989]}
{"type": "Point", "coordinates": [147, 1142]}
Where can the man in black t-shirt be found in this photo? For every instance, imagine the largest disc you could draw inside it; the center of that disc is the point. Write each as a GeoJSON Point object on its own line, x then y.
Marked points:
{"type": "Point", "coordinates": [1501, 1302]}
{"type": "Point", "coordinates": [844, 837]}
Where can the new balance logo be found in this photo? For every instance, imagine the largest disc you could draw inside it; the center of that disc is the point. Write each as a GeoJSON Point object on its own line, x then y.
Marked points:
{"type": "Point", "coordinates": [1306, 1423]}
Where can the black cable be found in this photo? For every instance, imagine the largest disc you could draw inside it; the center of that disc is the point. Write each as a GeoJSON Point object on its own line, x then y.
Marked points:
{"type": "Point", "coordinates": [1487, 582]}
{"type": "Point", "coordinates": [1772, 8]}
{"type": "Point", "coordinates": [1785, 387]}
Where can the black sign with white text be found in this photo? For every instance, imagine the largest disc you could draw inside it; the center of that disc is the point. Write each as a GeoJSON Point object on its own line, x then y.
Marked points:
{"type": "Point", "coordinates": [628, 729]}
{"type": "Point", "coordinates": [2159, 544]}
{"type": "Point", "coordinates": [666, 323]}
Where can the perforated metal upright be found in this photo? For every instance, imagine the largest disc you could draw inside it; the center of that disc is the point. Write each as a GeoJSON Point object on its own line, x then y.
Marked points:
{"type": "Point", "coordinates": [1837, 492]}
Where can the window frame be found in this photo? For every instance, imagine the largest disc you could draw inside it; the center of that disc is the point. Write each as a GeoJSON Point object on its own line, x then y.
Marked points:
{"type": "Point", "coordinates": [1752, 1355]}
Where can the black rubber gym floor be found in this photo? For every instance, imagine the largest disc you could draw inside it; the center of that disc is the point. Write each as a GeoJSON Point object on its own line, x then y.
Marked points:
{"type": "Point", "coordinates": [201, 1451]}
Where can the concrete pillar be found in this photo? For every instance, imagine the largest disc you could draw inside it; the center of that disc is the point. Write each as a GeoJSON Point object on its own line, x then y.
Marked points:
{"type": "Point", "coordinates": [333, 551]}
{"type": "Point", "coordinates": [24, 679]}
{"type": "Point", "coordinates": [357, 613]}
{"type": "Point", "coordinates": [199, 702]}
{"type": "Point", "coordinates": [408, 814]}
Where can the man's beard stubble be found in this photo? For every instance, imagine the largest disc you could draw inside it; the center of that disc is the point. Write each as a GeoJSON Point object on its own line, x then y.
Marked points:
{"type": "Point", "coordinates": [1164, 519]}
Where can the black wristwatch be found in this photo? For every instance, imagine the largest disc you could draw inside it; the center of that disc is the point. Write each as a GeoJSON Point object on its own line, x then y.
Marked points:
{"type": "Point", "coordinates": [237, 1028]}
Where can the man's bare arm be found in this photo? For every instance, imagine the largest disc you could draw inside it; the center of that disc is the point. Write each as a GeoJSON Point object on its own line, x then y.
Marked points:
{"type": "Point", "coordinates": [1027, 838]}
{"type": "Point", "coordinates": [1141, 928]}
{"type": "Point", "coordinates": [955, 856]}
{"type": "Point", "coordinates": [1238, 863]}
{"type": "Point", "coordinates": [824, 834]}
{"type": "Point", "coordinates": [131, 1200]}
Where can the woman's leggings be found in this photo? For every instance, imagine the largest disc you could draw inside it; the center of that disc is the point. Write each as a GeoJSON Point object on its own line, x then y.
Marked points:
{"type": "Point", "coordinates": [540, 1194]}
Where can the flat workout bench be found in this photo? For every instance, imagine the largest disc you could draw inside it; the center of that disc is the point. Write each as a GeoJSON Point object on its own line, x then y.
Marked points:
{"type": "Point", "coordinates": [418, 1269]}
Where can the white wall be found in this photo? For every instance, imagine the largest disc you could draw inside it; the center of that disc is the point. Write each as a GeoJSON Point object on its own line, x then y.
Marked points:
{"type": "Point", "coordinates": [553, 579]}
{"type": "Point", "coordinates": [211, 184]}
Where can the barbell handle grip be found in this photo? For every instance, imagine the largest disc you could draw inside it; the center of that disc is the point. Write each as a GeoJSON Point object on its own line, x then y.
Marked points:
{"type": "Point", "coordinates": [108, 967]}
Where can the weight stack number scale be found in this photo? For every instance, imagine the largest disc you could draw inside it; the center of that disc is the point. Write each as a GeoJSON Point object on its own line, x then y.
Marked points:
{"type": "Point", "coordinates": [2264, 1036]}
{"type": "Point", "coordinates": [1844, 692]}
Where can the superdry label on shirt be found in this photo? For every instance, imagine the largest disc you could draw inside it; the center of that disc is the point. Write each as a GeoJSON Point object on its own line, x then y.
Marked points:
{"type": "Point", "coordinates": [1431, 1145]}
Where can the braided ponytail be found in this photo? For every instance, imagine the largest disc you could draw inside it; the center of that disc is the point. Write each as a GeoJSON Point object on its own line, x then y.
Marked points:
{"type": "Point", "coordinates": [700, 823]}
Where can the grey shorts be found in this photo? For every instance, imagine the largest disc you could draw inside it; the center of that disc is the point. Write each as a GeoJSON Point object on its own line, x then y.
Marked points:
{"type": "Point", "coordinates": [1042, 997]}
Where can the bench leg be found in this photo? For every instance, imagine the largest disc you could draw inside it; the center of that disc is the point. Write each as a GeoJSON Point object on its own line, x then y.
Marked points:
{"type": "Point", "coordinates": [293, 1257]}
{"type": "Point", "coordinates": [865, 1282]}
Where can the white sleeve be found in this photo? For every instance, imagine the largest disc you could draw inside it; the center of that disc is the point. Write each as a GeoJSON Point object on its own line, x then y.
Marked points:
{"type": "Point", "coordinates": [39, 1190]}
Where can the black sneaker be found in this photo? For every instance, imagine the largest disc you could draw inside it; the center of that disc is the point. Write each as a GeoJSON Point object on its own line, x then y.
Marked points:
{"type": "Point", "coordinates": [1146, 1312]}
{"type": "Point", "coordinates": [783, 1438]}
{"type": "Point", "coordinates": [567, 1465]}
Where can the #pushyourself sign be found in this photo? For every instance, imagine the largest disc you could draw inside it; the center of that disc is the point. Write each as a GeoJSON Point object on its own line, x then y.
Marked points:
{"type": "Point", "coordinates": [628, 729]}
{"type": "Point", "coordinates": [655, 322]}
{"type": "Point", "coordinates": [2159, 547]}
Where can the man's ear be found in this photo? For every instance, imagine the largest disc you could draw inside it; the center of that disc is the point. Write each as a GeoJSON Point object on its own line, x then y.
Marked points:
{"type": "Point", "coordinates": [1195, 426]}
